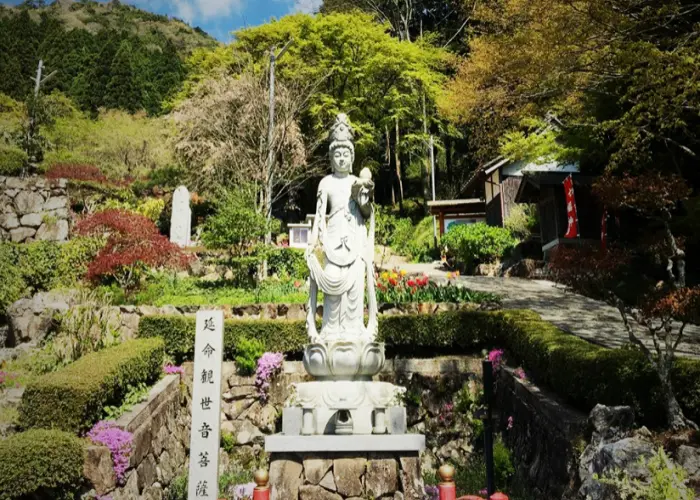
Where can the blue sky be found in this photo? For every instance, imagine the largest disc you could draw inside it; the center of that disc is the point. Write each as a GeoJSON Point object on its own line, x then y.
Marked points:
{"type": "Point", "coordinates": [220, 17]}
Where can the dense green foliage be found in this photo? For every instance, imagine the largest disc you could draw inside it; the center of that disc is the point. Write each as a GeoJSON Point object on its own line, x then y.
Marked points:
{"type": "Point", "coordinates": [581, 373]}
{"type": "Point", "coordinates": [41, 266]}
{"type": "Point", "coordinates": [41, 464]}
{"type": "Point", "coordinates": [248, 351]}
{"type": "Point", "coordinates": [472, 244]}
{"type": "Point", "coordinates": [12, 159]}
{"type": "Point", "coordinates": [106, 55]}
{"type": "Point", "coordinates": [288, 263]}
{"type": "Point", "coordinates": [73, 398]}
{"type": "Point", "coordinates": [522, 220]}
{"type": "Point", "coordinates": [236, 225]}
{"type": "Point", "coordinates": [414, 241]}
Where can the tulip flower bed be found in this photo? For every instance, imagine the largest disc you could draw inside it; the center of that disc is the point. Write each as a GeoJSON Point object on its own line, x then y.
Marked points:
{"type": "Point", "coordinates": [398, 287]}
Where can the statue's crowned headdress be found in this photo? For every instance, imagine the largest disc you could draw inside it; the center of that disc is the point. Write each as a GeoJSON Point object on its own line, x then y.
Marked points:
{"type": "Point", "coordinates": [341, 134]}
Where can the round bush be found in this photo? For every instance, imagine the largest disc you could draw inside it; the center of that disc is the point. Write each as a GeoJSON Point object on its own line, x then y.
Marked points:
{"type": "Point", "coordinates": [473, 244]}
{"type": "Point", "coordinates": [11, 160]}
{"type": "Point", "coordinates": [40, 464]}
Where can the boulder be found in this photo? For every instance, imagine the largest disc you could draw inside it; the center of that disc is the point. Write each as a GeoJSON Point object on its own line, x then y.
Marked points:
{"type": "Point", "coordinates": [33, 220]}
{"type": "Point", "coordinates": [9, 221]}
{"type": "Point", "coordinates": [381, 478]}
{"type": "Point", "coordinates": [689, 458]}
{"type": "Point", "coordinates": [21, 234]}
{"type": "Point", "coordinates": [56, 202]}
{"type": "Point", "coordinates": [624, 455]}
{"type": "Point", "coordinates": [610, 422]}
{"type": "Point", "coordinates": [316, 468]}
{"type": "Point", "coordinates": [98, 469]}
{"type": "Point", "coordinates": [28, 202]}
{"type": "Point", "coordinates": [312, 492]}
{"type": "Point", "coordinates": [57, 231]}
{"type": "Point", "coordinates": [31, 319]}
{"type": "Point", "coordinates": [348, 475]}
{"type": "Point", "coordinates": [285, 477]}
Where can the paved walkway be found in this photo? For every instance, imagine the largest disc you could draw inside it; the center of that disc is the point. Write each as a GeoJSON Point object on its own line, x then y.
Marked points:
{"type": "Point", "coordinates": [589, 319]}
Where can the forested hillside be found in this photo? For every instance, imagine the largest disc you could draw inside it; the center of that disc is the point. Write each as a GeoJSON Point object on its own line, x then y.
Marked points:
{"type": "Point", "coordinates": [106, 54]}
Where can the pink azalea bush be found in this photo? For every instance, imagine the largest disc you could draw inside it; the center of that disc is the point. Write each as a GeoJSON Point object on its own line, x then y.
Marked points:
{"type": "Point", "coordinates": [269, 365]}
{"type": "Point", "coordinates": [119, 443]}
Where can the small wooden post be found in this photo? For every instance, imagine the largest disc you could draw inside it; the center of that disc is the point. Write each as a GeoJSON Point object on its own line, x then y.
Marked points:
{"type": "Point", "coordinates": [262, 490]}
{"type": "Point", "coordinates": [447, 488]}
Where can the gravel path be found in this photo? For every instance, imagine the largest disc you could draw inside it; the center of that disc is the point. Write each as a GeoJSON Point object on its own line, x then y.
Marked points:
{"type": "Point", "coordinates": [589, 319]}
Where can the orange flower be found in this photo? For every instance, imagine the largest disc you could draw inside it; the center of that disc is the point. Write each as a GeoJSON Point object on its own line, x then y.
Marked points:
{"type": "Point", "coordinates": [393, 281]}
{"type": "Point", "coordinates": [456, 274]}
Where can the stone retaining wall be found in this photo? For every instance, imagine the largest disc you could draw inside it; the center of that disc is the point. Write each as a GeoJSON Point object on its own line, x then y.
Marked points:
{"type": "Point", "coordinates": [161, 440]}
{"type": "Point", "coordinates": [330, 476]}
{"type": "Point", "coordinates": [31, 319]}
{"type": "Point", "coordinates": [546, 437]}
{"type": "Point", "coordinates": [33, 209]}
{"type": "Point", "coordinates": [431, 385]}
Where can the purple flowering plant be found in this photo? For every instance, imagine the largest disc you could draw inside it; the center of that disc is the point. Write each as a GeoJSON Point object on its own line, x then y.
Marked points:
{"type": "Point", "coordinates": [243, 491]}
{"type": "Point", "coordinates": [520, 373]}
{"type": "Point", "coordinates": [269, 365]}
{"type": "Point", "coordinates": [119, 443]}
{"type": "Point", "coordinates": [172, 369]}
{"type": "Point", "coordinates": [431, 492]}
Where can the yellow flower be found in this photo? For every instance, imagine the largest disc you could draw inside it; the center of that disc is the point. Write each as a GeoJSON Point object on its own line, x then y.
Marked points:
{"type": "Point", "coordinates": [456, 274]}
{"type": "Point", "coordinates": [449, 276]}
{"type": "Point", "coordinates": [385, 276]}
{"type": "Point", "coordinates": [403, 273]}
{"type": "Point", "coordinates": [394, 275]}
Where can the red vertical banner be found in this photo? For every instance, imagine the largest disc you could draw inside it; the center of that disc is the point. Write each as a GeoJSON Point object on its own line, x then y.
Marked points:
{"type": "Point", "coordinates": [571, 215]}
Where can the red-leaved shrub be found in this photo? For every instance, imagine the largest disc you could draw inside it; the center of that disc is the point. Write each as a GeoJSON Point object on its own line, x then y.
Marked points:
{"type": "Point", "coordinates": [75, 172]}
{"type": "Point", "coordinates": [133, 244]}
{"type": "Point", "coordinates": [85, 173]}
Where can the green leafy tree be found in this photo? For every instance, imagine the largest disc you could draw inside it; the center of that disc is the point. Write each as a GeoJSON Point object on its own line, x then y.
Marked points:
{"type": "Point", "coordinates": [122, 89]}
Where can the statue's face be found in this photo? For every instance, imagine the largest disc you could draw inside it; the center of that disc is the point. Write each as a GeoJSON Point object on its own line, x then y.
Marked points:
{"type": "Point", "coordinates": [341, 160]}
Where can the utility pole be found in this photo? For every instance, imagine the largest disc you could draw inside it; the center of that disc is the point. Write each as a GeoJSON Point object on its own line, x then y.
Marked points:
{"type": "Point", "coordinates": [32, 130]}
{"type": "Point", "coordinates": [269, 174]}
{"type": "Point", "coordinates": [432, 176]}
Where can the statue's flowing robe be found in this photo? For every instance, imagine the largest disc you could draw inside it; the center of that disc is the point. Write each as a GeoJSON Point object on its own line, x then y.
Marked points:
{"type": "Point", "coordinates": [349, 251]}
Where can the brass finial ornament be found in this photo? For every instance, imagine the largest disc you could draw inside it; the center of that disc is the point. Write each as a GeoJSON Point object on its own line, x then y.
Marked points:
{"type": "Point", "coordinates": [447, 473]}
{"type": "Point", "coordinates": [261, 478]}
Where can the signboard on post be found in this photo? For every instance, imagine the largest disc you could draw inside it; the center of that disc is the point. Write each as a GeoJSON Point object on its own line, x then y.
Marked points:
{"type": "Point", "coordinates": [206, 406]}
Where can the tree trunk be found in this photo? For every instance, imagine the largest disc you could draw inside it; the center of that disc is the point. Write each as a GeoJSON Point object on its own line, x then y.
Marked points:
{"type": "Point", "coordinates": [674, 413]}
{"type": "Point", "coordinates": [387, 158]}
{"type": "Point", "coordinates": [448, 158]}
{"type": "Point", "coordinates": [397, 161]}
{"type": "Point", "coordinates": [425, 177]}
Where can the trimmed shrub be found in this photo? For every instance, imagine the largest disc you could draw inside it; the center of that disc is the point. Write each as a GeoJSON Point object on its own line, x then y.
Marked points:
{"type": "Point", "coordinates": [472, 244]}
{"type": "Point", "coordinates": [72, 399]}
{"type": "Point", "coordinates": [288, 262]}
{"type": "Point", "coordinates": [12, 160]}
{"type": "Point", "coordinates": [40, 464]}
{"type": "Point", "coordinates": [12, 284]}
{"type": "Point", "coordinates": [582, 373]}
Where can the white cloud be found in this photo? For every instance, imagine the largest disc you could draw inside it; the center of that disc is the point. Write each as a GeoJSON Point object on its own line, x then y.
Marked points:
{"type": "Point", "coordinates": [306, 6]}
{"type": "Point", "coordinates": [196, 10]}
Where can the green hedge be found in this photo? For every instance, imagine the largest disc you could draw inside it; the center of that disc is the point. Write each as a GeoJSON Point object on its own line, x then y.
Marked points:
{"type": "Point", "coordinates": [582, 373]}
{"type": "Point", "coordinates": [40, 464]}
{"type": "Point", "coordinates": [72, 398]}
{"type": "Point", "coordinates": [12, 159]}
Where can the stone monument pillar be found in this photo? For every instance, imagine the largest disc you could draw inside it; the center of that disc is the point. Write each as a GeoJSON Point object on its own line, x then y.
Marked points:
{"type": "Point", "coordinates": [181, 217]}
{"type": "Point", "coordinates": [343, 417]}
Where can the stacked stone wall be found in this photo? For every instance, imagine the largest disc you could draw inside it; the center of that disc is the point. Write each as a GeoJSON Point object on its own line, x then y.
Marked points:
{"type": "Point", "coordinates": [161, 439]}
{"type": "Point", "coordinates": [33, 209]}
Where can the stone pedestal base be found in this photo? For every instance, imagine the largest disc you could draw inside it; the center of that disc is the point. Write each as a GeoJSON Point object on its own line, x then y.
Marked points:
{"type": "Point", "coordinates": [346, 475]}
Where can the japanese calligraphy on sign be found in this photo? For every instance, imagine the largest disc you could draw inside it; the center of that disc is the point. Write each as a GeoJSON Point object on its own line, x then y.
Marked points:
{"type": "Point", "coordinates": [206, 406]}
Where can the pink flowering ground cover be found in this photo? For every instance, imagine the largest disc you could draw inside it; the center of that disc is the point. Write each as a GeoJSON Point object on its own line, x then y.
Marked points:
{"type": "Point", "coordinates": [119, 443]}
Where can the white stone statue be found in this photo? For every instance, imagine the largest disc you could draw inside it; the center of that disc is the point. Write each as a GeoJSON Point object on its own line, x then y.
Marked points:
{"type": "Point", "coordinates": [347, 244]}
{"type": "Point", "coordinates": [344, 356]}
{"type": "Point", "coordinates": [181, 217]}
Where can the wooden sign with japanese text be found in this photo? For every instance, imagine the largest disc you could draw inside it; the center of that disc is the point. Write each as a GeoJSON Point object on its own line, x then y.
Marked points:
{"type": "Point", "coordinates": [206, 406]}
